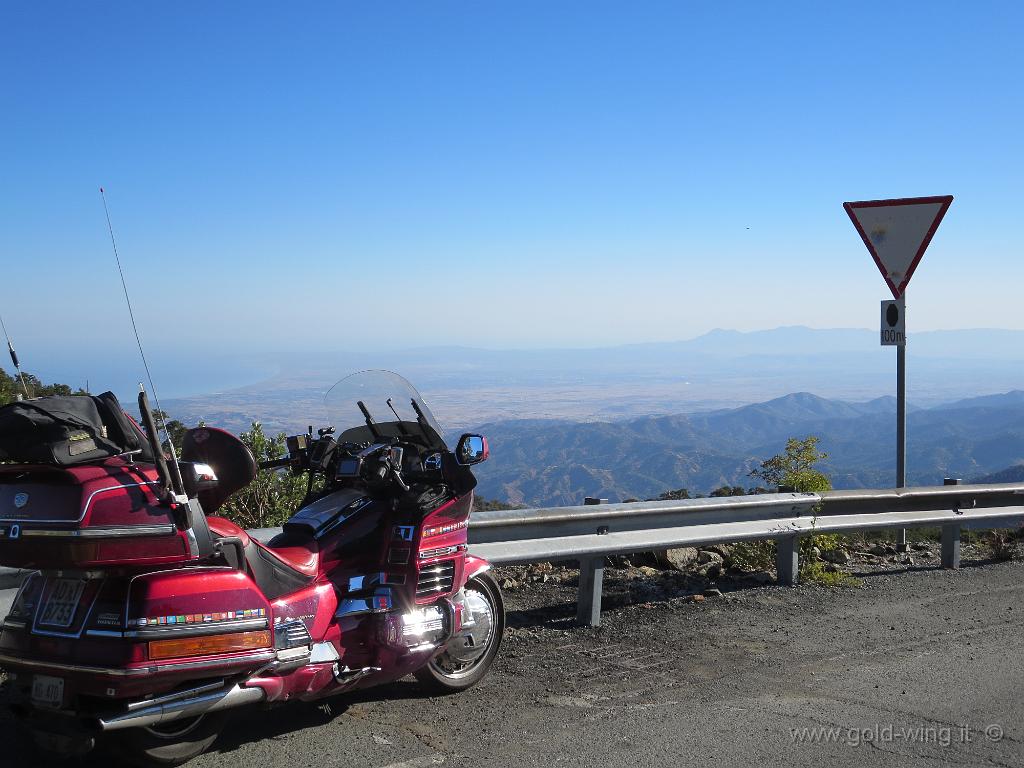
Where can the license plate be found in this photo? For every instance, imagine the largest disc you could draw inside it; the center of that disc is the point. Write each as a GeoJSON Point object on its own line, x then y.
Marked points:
{"type": "Point", "coordinates": [59, 610]}
{"type": "Point", "coordinates": [48, 691]}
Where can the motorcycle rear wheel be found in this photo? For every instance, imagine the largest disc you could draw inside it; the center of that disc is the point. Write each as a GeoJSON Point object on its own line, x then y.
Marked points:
{"type": "Point", "coordinates": [442, 675]}
{"type": "Point", "coordinates": [168, 744]}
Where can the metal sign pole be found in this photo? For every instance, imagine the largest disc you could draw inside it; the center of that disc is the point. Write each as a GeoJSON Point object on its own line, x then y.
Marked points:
{"type": "Point", "coordinates": [901, 431]}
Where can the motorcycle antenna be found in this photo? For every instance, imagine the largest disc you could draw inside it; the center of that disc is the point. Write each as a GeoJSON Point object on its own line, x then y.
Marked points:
{"type": "Point", "coordinates": [176, 477]}
{"type": "Point", "coordinates": [14, 358]}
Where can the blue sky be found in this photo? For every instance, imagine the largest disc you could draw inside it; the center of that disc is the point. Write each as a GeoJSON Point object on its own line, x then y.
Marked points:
{"type": "Point", "coordinates": [496, 174]}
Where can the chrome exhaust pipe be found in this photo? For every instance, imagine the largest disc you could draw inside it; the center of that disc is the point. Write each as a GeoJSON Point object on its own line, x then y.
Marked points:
{"type": "Point", "coordinates": [236, 696]}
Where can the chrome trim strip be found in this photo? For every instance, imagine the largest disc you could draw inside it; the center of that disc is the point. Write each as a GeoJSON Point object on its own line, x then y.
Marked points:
{"type": "Point", "coordinates": [105, 533]}
{"type": "Point", "coordinates": [379, 602]}
{"type": "Point", "coordinates": [294, 654]}
{"type": "Point", "coordinates": [103, 633]}
{"type": "Point", "coordinates": [324, 652]}
{"type": "Point", "coordinates": [10, 623]}
{"type": "Point", "coordinates": [153, 669]}
{"type": "Point", "coordinates": [482, 569]}
{"type": "Point", "coordinates": [431, 590]}
{"type": "Point", "coordinates": [434, 584]}
{"type": "Point", "coordinates": [184, 630]}
{"type": "Point", "coordinates": [196, 630]}
{"type": "Point", "coordinates": [428, 554]}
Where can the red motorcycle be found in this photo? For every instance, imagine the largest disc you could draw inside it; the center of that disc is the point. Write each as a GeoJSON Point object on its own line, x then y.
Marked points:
{"type": "Point", "coordinates": [147, 620]}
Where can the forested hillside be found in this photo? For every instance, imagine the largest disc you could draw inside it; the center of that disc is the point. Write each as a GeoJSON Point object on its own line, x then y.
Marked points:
{"type": "Point", "coordinates": [11, 387]}
{"type": "Point", "coordinates": [539, 462]}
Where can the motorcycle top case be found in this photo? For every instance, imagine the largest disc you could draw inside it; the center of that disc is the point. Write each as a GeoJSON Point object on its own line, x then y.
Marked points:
{"type": "Point", "coordinates": [93, 515]}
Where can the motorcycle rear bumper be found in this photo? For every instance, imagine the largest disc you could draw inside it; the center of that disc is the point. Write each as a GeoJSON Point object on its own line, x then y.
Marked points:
{"type": "Point", "coordinates": [118, 683]}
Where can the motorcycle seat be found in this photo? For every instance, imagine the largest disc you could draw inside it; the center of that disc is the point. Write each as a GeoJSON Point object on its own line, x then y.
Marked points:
{"type": "Point", "coordinates": [282, 566]}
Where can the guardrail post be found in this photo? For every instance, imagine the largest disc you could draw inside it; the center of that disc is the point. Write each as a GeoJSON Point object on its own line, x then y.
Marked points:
{"type": "Point", "coordinates": [787, 560]}
{"type": "Point", "coordinates": [588, 601]}
{"type": "Point", "coordinates": [951, 546]}
{"type": "Point", "coordinates": [951, 537]}
{"type": "Point", "coordinates": [588, 598]}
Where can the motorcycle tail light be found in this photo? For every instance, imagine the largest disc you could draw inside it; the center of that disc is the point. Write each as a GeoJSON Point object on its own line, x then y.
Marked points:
{"type": "Point", "coordinates": [85, 553]}
{"type": "Point", "coordinates": [151, 549]}
{"type": "Point", "coordinates": [204, 646]}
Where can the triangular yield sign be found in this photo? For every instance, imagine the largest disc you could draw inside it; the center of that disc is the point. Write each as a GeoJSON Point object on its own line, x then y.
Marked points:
{"type": "Point", "coordinates": [897, 233]}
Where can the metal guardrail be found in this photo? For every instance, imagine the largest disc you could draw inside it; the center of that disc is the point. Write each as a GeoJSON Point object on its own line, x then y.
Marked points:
{"type": "Point", "coordinates": [588, 534]}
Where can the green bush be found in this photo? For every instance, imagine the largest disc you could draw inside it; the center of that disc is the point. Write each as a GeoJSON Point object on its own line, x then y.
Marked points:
{"type": "Point", "coordinates": [796, 468]}
{"type": "Point", "coordinates": [274, 495]}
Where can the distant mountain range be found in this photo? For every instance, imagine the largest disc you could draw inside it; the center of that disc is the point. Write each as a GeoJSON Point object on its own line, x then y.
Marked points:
{"type": "Point", "coordinates": [557, 462]}
{"type": "Point", "coordinates": [570, 423]}
{"type": "Point", "coordinates": [1014, 474]}
{"type": "Point", "coordinates": [720, 369]}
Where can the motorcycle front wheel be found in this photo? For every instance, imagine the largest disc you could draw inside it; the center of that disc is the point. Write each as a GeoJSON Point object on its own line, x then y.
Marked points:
{"type": "Point", "coordinates": [457, 668]}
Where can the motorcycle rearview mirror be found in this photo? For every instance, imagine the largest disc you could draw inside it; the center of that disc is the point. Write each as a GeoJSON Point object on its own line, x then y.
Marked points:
{"type": "Point", "coordinates": [472, 449]}
{"type": "Point", "coordinates": [197, 477]}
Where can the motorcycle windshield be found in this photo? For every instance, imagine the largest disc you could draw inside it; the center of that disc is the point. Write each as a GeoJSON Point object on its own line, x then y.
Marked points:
{"type": "Point", "coordinates": [394, 407]}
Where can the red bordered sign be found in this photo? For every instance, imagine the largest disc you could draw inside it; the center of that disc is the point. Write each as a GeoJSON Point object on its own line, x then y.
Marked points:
{"type": "Point", "coordinates": [897, 233]}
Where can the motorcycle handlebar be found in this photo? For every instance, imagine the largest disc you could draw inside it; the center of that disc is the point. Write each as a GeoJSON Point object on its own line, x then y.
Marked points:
{"type": "Point", "coordinates": [274, 463]}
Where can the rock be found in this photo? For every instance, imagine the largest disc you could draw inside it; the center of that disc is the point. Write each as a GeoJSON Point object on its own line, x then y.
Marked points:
{"type": "Point", "coordinates": [907, 560]}
{"type": "Point", "coordinates": [707, 556]}
{"type": "Point", "coordinates": [698, 598]}
{"type": "Point", "coordinates": [831, 568]}
{"type": "Point", "coordinates": [926, 555]}
{"type": "Point", "coordinates": [509, 584]}
{"type": "Point", "coordinates": [920, 546]}
{"type": "Point", "coordinates": [879, 549]}
{"type": "Point", "coordinates": [816, 553]}
{"type": "Point", "coordinates": [712, 592]}
{"type": "Point", "coordinates": [714, 571]}
{"type": "Point", "coordinates": [837, 556]}
{"type": "Point", "coordinates": [679, 558]}
{"type": "Point", "coordinates": [646, 570]}
{"type": "Point", "coordinates": [760, 577]}
{"type": "Point", "coordinates": [723, 549]}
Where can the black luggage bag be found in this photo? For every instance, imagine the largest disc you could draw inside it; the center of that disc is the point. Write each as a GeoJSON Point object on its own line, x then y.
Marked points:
{"type": "Point", "coordinates": [68, 429]}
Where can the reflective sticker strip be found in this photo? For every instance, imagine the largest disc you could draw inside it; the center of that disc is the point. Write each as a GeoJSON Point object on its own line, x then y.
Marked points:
{"type": "Point", "coordinates": [200, 618]}
{"type": "Point", "coordinates": [438, 530]}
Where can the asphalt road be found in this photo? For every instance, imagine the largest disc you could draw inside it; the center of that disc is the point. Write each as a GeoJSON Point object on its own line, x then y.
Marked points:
{"type": "Point", "coordinates": [909, 669]}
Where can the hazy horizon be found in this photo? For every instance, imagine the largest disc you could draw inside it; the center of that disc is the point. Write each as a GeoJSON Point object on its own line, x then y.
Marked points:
{"type": "Point", "coordinates": [183, 371]}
